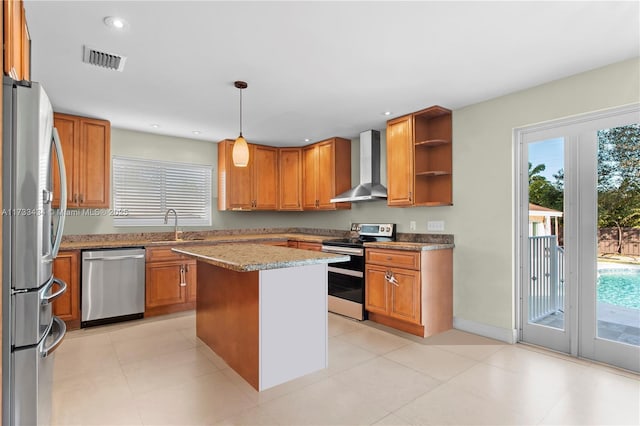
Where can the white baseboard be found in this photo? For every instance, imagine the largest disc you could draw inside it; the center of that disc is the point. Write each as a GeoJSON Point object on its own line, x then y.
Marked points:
{"type": "Point", "coordinates": [503, 334]}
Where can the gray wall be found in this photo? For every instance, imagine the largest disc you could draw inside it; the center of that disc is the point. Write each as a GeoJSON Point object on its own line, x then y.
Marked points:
{"type": "Point", "coordinates": [482, 215]}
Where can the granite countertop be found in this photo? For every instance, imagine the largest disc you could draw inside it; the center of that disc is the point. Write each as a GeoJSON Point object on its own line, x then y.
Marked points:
{"type": "Point", "coordinates": [207, 240]}
{"type": "Point", "coordinates": [410, 246]}
{"type": "Point", "coordinates": [257, 257]}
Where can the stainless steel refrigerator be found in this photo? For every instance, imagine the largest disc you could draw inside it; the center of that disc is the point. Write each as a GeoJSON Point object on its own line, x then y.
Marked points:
{"type": "Point", "coordinates": [31, 238]}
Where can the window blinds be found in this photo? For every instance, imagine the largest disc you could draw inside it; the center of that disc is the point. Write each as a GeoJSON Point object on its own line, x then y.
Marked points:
{"type": "Point", "coordinates": [143, 190]}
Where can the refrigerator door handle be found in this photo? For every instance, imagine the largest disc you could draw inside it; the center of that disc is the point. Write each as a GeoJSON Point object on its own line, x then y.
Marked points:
{"type": "Point", "coordinates": [59, 326]}
{"type": "Point", "coordinates": [63, 193]}
{"type": "Point", "coordinates": [45, 300]}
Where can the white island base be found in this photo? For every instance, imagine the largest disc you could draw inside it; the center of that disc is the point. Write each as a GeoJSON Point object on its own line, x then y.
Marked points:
{"type": "Point", "coordinates": [270, 326]}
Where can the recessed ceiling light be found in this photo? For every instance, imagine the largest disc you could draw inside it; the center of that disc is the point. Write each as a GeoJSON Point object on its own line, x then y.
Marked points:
{"type": "Point", "coordinates": [115, 22]}
{"type": "Point", "coordinates": [387, 113]}
{"type": "Point", "coordinates": [307, 139]}
{"type": "Point", "coordinates": [155, 126]}
{"type": "Point", "coordinates": [196, 132]}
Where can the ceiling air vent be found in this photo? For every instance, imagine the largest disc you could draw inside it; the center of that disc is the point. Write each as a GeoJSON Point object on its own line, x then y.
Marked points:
{"type": "Point", "coordinates": [110, 61]}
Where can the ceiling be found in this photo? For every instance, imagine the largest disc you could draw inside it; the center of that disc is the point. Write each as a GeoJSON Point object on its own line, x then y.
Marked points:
{"type": "Point", "coordinates": [314, 69]}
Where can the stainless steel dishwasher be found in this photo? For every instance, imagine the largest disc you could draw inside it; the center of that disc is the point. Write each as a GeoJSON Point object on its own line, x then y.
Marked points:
{"type": "Point", "coordinates": [112, 285]}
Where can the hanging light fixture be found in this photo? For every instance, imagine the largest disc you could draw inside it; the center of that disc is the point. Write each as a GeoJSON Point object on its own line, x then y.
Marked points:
{"type": "Point", "coordinates": [240, 151]}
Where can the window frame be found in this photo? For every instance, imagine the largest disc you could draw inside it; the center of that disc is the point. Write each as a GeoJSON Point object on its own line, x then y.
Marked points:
{"type": "Point", "coordinates": [201, 212]}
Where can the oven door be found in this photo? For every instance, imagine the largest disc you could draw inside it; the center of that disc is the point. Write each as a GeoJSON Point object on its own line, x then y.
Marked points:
{"type": "Point", "coordinates": [346, 284]}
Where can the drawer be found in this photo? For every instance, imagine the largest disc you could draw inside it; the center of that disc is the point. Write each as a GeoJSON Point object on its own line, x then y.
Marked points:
{"type": "Point", "coordinates": [396, 258]}
{"type": "Point", "coordinates": [309, 246]}
{"type": "Point", "coordinates": [164, 254]}
{"type": "Point", "coordinates": [275, 243]}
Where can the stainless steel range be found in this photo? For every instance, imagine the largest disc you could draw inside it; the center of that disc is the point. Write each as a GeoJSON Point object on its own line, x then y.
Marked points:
{"type": "Point", "coordinates": [347, 279]}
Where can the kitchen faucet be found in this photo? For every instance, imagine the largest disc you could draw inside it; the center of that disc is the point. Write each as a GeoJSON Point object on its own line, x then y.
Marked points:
{"type": "Point", "coordinates": [166, 220]}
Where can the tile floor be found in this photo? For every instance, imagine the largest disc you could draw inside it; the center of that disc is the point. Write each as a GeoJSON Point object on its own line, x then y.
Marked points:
{"type": "Point", "coordinates": [156, 372]}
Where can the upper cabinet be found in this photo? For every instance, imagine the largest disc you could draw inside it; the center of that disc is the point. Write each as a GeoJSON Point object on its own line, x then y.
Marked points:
{"type": "Point", "coordinates": [254, 187]}
{"type": "Point", "coordinates": [264, 182]}
{"type": "Point", "coordinates": [87, 151]}
{"type": "Point", "coordinates": [326, 173]}
{"type": "Point", "coordinates": [419, 166]}
{"type": "Point", "coordinates": [290, 166]}
{"type": "Point", "coordinates": [17, 43]}
{"type": "Point", "coordinates": [285, 178]}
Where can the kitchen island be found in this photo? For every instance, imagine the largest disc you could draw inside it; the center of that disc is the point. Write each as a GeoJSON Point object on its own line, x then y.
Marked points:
{"type": "Point", "coordinates": [263, 309]}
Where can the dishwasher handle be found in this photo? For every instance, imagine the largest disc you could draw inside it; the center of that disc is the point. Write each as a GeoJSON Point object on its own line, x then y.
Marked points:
{"type": "Point", "coordinates": [135, 256]}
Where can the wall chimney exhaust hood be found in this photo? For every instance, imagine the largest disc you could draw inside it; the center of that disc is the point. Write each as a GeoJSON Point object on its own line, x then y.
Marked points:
{"type": "Point", "coordinates": [369, 188]}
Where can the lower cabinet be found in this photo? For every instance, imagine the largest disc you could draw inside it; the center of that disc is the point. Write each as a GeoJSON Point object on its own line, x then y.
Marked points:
{"type": "Point", "coordinates": [394, 292]}
{"type": "Point", "coordinates": [309, 246]}
{"type": "Point", "coordinates": [170, 282]}
{"type": "Point", "coordinates": [276, 243]}
{"type": "Point", "coordinates": [410, 291]}
{"type": "Point", "coordinates": [66, 267]}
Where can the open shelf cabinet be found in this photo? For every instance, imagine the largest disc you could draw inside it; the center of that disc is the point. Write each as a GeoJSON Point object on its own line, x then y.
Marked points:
{"type": "Point", "coordinates": [425, 140]}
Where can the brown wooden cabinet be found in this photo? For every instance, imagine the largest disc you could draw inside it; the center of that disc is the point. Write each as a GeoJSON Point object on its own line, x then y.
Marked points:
{"type": "Point", "coordinates": [419, 159]}
{"type": "Point", "coordinates": [400, 175]}
{"type": "Point", "coordinates": [67, 268]}
{"type": "Point", "coordinates": [290, 190]}
{"type": "Point", "coordinates": [264, 179]}
{"type": "Point", "coordinates": [276, 243]}
{"type": "Point", "coordinates": [170, 281]}
{"type": "Point", "coordinates": [254, 187]}
{"type": "Point", "coordinates": [17, 42]}
{"type": "Point", "coordinates": [285, 178]}
{"type": "Point", "coordinates": [304, 245]}
{"type": "Point", "coordinates": [234, 183]}
{"type": "Point", "coordinates": [87, 154]}
{"type": "Point", "coordinates": [410, 291]}
{"type": "Point", "coordinates": [326, 173]}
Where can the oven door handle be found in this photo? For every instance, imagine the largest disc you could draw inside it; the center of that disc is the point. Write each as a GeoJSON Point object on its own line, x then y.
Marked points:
{"type": "Point", "coordinates": [343, 250]}
{"type": "Point", "coordinates": [343, 271]}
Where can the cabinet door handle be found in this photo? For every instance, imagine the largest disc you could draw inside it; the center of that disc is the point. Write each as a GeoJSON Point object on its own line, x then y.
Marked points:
{"type": "Point", "coordinates": [182, 277]}
{"type": "Point", "coordinates": [75, 198]}
{"type": "Point", "coordinates": [410, 196]}
{"type": "Point", "coordinates": [390, 278]}
{"type": "Point", "coordinates": [81, 198]}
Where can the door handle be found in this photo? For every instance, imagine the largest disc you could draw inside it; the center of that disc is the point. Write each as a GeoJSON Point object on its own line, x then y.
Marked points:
{"type": "Point", "coordinates": [391, 278]}
{"type": "Point", "coordinates": [60, 326]}
{"type": "Point", "coordinates": [183, 280]}
{"type": "Point", "coordinates": [63, 193]}
{"type": "Point", "coordinates": [53, 296]}
{"type": "Point", "coordinates": [137, 256]}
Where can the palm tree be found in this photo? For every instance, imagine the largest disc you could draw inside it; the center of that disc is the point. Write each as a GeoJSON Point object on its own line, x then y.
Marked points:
{"type": "Point", "coordinates": [534, 172]}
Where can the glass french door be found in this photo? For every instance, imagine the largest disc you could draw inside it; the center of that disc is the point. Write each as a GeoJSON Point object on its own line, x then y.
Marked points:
{"type": "Point", "coordinates": [579, 278]}
{"type": "Point", "coordinates": [610, 260]}
{"type": "Point", "coordinates": [544, 306]}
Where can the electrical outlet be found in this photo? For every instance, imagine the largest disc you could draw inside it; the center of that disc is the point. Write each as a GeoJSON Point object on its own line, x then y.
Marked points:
{"type": "Point", "coordinates": [435, 225]}
{"type": "Point", "coordinates": [412, 225]}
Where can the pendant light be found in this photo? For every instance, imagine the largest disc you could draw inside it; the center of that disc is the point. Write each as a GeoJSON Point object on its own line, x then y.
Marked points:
{"type": "Point", "coordinates": [240, 151]}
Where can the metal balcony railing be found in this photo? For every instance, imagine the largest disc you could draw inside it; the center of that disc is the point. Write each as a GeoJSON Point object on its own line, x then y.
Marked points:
{"type": "Point", "coordinates": [546, 272]}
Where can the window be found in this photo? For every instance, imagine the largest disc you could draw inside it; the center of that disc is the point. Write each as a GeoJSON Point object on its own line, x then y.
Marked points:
{"type": "Point", "coordinates": [143, 190]}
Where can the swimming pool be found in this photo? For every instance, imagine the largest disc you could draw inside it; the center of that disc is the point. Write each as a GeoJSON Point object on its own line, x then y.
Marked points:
{"type": "Point", "coordinates": [619, 286]}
